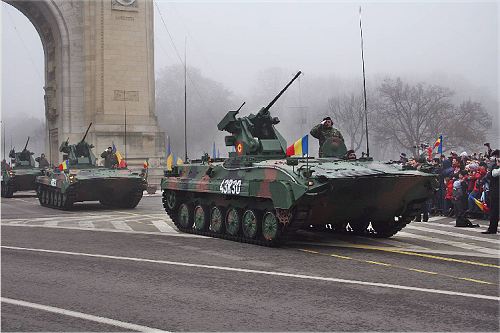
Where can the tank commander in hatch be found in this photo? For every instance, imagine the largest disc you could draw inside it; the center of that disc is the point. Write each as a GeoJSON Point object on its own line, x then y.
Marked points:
{"type": "Point", "coordinates": [325, 131]}
{"type": "Point", "coordinates": [110, 160]}
{"type": "Point", "coordinates": [42, 161]}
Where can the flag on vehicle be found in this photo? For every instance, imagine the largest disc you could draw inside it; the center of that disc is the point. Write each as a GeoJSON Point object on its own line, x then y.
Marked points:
{"type": "Point", "coordinates": [214, 153]}
{"type": "Point", "coordinates": [299, 148]}
{"type": "Point", "coordinates": [145, 164]}
{"type": "Point", "coordinates": [64, 165]}
{"type": "Point", "coordinates": [121, 161]}
{"type": "Point", "coordinates": [179, 161]}
{"type": "Point", "coordinates": [113, 148]}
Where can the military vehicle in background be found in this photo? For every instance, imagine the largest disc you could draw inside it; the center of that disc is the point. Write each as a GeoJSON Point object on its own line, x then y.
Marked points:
{"type": "Point", "coordinates": [22, 175]}
{"type": "Point", "coordinates": [259, 196]}
{"type": "Point", "coordinates": [79, 178]}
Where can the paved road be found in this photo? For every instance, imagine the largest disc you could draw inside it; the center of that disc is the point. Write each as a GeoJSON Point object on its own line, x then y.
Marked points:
{"type": "Point", "coordinates": [94, 269]}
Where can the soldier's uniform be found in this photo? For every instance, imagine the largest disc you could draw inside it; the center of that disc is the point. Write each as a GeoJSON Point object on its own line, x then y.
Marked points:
{"type": "Point", "coordinates": [109, 159]}
{"type": "Point", "coordinates": [322, 133]}
{"type": "Point", "coordinates": [43, 163]}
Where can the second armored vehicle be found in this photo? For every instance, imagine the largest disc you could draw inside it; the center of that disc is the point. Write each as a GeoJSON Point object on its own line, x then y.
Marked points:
{"type": "Point", "coordinates": [259, 196]}
{"type": "Point", "coordinates": [80, 179]}
{"type": "Point", "coordinates": [22, 175]}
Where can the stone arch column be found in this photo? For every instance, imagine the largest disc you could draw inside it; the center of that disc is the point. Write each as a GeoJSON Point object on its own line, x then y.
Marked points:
{"type": "Point", "coordinates": [98, 63]}
{"type": "Point", "coordinates": [48, 18]}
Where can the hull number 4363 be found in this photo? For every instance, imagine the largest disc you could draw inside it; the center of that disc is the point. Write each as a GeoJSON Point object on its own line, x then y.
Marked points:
{"type": "Point", "coordinates": [230, 186]}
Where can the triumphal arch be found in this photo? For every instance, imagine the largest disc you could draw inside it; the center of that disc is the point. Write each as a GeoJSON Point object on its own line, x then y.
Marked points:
{"type": "Point", "coordinates": [99, 68]}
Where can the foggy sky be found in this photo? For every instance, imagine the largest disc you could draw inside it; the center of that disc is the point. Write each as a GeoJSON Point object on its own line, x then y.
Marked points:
{"type": "Point", "coordinates": [233, 42]}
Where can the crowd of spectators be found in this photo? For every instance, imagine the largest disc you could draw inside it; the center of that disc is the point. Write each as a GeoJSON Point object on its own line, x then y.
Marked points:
{"type": "Point", "coordinates": [465, 184]}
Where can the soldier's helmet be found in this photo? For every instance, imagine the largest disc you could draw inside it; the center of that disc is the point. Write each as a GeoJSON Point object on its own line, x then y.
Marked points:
{"type": "Point", "coordinates": [334, 147]}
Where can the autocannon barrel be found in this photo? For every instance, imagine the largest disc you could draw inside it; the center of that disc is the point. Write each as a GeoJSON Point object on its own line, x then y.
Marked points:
{"type": "Point", "coordinates": [26, 145]}
{"type": "Point", "coordinates": [86, 132]}
{"type": "Point", "coordinates": [282, 91]}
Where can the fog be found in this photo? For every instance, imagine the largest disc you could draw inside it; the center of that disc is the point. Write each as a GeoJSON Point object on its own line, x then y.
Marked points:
{"type": "Point", "coordinates": [449, 43]}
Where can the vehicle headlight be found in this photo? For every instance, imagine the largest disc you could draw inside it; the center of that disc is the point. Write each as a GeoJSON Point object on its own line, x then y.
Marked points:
{"type": "Point", "coordinates": [12, 173]}
{"type": "Point", "coordinates": [72, 178]}
{"type": "Point", "coordinates": [310, 183]}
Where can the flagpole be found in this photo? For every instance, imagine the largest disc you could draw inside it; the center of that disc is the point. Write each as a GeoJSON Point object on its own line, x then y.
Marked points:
{"type": "Point", "coordinates": [185, 101]}
{"type": "Point", "coordinates": [125, 131]}
{"type": "Point", "coordinates": [3, 123]}
{"type": "Point", "coordinates": [364, 84]}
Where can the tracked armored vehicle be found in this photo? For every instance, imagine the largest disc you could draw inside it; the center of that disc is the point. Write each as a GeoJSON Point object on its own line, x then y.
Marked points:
{"type": "Point", "coordinates": [80, 179]}
{"type": "Point", "coordinates": [22, 175]}
{"type": "Point", "coordinates": [259, 196]}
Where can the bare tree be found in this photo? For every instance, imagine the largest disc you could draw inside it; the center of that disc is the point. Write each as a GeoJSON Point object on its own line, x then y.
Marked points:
{"type": "Point", "coordinates": [348, 114]}
{"type": "Point", "coordinates": [207, 103]}
{"type": "Point", "coordinates": [408, 115]}
{"type": "Point", "coordinates": [467, 126]}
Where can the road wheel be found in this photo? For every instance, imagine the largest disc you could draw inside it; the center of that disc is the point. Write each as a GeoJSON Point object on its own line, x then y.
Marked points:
{"type": "Point", "coordinates": [216, 220]}
{"type": "Point", "coordinates": [359, 227]}
{"type": "Point", "coordinates": [270, 226]}
{"type": "Point", "coordinates": [200, 218]}
{"type": "Point", "coordinates": [250, 224]}
{"type": "Point", "coordinates": [385, 229]}
{"type": "Point", "coordinates": [170, 201]}
{"type": "Point", "coordinates": [7, 191]}
{"type": "Point", "coordinates": [233, 221]}
{"type": "Point", "coordinates": [57, 199]}
{"type": "Point", "coordinates": [185, 216]}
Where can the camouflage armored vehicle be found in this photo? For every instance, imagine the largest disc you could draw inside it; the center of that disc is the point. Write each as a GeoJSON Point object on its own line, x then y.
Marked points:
{"type": "Point", "coordinates": [79, 178]}
{"type": "Point", "coordinates": [259, 196]}
{"type": "Point", "coordinates": [22, 175]}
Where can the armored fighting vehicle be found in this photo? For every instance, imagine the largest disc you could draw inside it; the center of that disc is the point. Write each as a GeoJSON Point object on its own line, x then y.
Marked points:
{"type": "Point", "coordinates": [79, 178]}
{"type": "Point", "coordinates": [260, 196]}
{"type": "Point", "coordinates": [22, 175]}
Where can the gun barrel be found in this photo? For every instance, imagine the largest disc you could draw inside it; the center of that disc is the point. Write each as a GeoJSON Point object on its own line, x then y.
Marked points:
{"type": "Point", "coordinates": [26, 145]}
{"type": "Point", "coordinates": [282, 91]}
{"type": "Point", "coordinates": [86, 132]}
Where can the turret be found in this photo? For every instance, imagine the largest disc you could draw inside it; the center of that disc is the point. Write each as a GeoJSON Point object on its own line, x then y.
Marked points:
{"type": "Point", "coordinates": [80, 153]}
{"type": "Point", "coordinates": [255, 134]}
{"type": "Point", "coordinates": [23, 158]}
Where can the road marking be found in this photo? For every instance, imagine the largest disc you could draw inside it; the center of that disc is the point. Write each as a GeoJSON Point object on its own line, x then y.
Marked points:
{"type": "Point", "coordinates": [163, 226]}
{"type": "Point", "coordinates": [260, 272]}
{"type": "Point", "coordinates": [385, 248]}
{"type": "Point", "coordinates": [86, 224]}
{"type": "Point", "coordinates": [449, 242]}
{"type": "Point", "coordinates": [394, 266]}
{"type": "Point", "coordinates": [377, 263]}
{"type": "Point", "coordinates": [177, 234]}
{"type": "Point", "coordinates": [422, 271]}
{"type": "Point", "coordinates": [120, 225]}
{"type": "Point", "coordinates": [454, 234]}
{"type": "Point", "coordinates": [81, 315]}
{"type": "Point", "coordinates": [52, 223]}
{"type": "Point", "coordinates": [437, 218]}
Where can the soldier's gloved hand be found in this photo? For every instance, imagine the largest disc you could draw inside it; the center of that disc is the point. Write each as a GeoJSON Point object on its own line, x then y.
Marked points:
{"type": "Point", "coordinates": [323, 122]}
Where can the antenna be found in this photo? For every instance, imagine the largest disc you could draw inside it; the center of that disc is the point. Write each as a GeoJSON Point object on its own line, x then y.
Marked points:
{"type": "Point", "coordinates": [3, 123]}
{"type": "Point", "coordinates": [185, 102]}
{"type": "Point", "coordinates": [364, 84]}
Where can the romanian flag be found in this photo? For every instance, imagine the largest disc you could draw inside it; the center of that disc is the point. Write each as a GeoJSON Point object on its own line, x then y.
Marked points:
{"type": "Point", "coordinates": [170, 162]}
{"type": "Point", "coordinates": [300, 147]}
{"type": "Point", "coordinates": [121, 161]}
{"type": "Point", "coordinates": [64, 165]}
{"type": "Point", "coordinates": [179, 161]}
{"type": "Point", "coordinates": [482, 205]}
{"type": "Point", "coordinates": [439, 144]}
{"type": "Point", "coordinates": [145, 164]}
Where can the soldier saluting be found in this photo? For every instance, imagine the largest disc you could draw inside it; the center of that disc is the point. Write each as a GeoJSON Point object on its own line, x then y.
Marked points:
{"type": "Point", "coordinates": [325, 131]}
{"type": "Point", "coordinates": [110, 160]}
